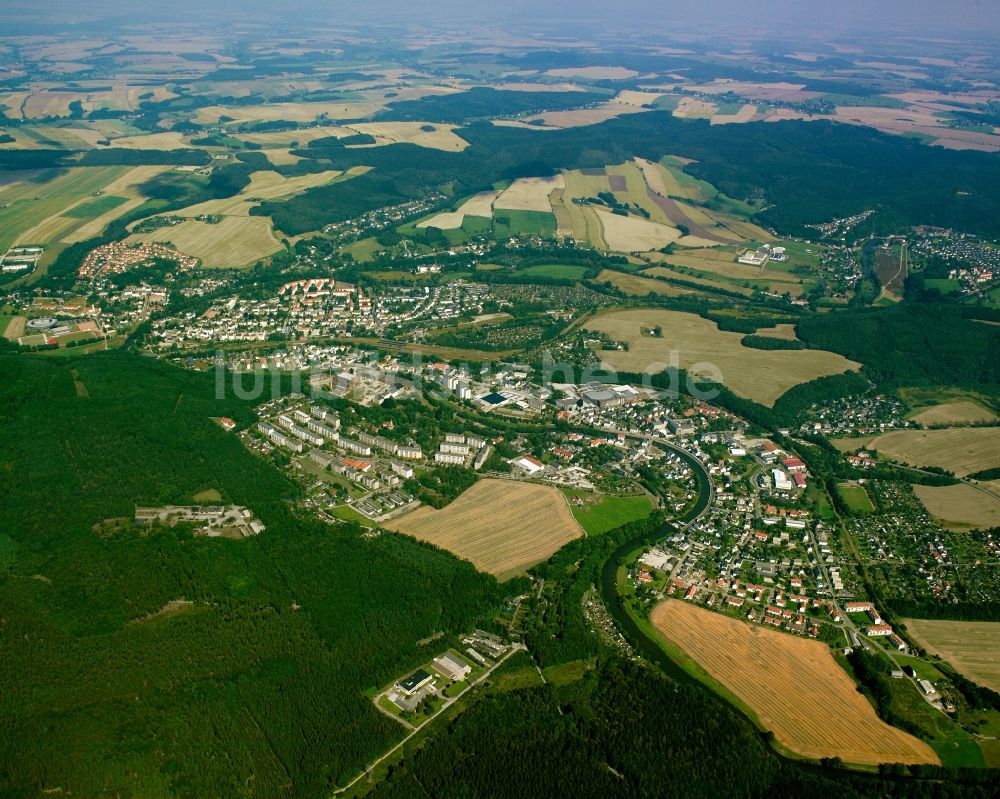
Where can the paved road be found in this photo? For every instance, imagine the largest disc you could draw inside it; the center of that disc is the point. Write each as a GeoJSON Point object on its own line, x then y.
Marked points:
{"type": "Point", "coordinates": [447, 703]}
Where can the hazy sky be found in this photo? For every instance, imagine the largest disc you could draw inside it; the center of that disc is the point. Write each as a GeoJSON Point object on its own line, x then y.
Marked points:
{"type": "Point", "coordinates": [928, 16]}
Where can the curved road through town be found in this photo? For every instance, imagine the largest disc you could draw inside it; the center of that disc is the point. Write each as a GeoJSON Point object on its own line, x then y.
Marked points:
{"type": "Point", "coordinates": [639, 640]}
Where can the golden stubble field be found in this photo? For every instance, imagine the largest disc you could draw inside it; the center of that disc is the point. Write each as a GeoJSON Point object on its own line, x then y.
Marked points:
{"type": "Point", "coordinates": [500, 526]}
{"type": "Point", "coordinates": [961, 412]}
{"type": "Point", "coordinates": [529, 194]}
{"type": "Point", "coordinates": [961, 506]}
{"type": "Point", "coordinates": [761, 375]}
{"type": "Point", "coordinates": [792, 685]}
{"type": "Point", "coordinates": [962, 450]}
{"type": "Point", "coordinates": [973, 647]}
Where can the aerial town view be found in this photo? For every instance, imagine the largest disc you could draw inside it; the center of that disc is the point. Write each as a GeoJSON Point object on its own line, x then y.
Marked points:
{"type": "Point", "coordinates": [451, 400]}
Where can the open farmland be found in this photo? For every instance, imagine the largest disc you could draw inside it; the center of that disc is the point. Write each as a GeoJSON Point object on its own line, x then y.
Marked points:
{"type": "Point", "coordinates": [962, 506]}
{"type": "Point", "coordinates": [636, 286]}
{"type": "Point", "coordinates": [632, 234]}
{"type": "Point", "coordinates": [792, 685]}
{"type": "Point", "coordinates": [479, 525]}
{"type": "Point", "coordinates": [439, 137]}
{"type": "Point", "coordinates": [238, 239]}
{"type": "Point", "coordinates": [264, 185]}
{"type": "Point", "coordinates": [972, 647]}
{"type": "Point", "coordinates": [529, 194]}
{"type": "Point", "coordinates": [292, 112]}
{"type": "Point", "coordinates": [234, 242]}
{"type": "Point", "coordinates": [169, 140]}
{"type": "Point", "coordinates": [964, 412]}
{"type": "Point", "coordinates": [962, 450]}
{"type": "Point", "coordinates": [32, 210]}
{"type": "Point", "coordinates": [480, 204]}
{"type": "Point", "coordinates": [761, 375]}
{"type": "Point", "coordinates": [720, 263]}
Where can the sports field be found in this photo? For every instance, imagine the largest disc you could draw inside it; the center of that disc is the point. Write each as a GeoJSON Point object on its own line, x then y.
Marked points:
{"type": "Point", "coordinates": [480, 527]}
{"type": "Point", "coordinates": [962, 450]}
{"type": "Point", "coordinates": [972, 647]}
{"type": "Point", "coordinates": [962, 506]}
{"type": "Point", "coordinates": [791, 684]}
{"type": "Point", "coordinates": [698, 344]}
{"type": "Point", "coordinates": [855, 497]}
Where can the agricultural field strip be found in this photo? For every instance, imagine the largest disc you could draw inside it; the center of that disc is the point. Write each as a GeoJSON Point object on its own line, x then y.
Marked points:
{"type": "Point", "coordinates": [761, 375]}
{"type": "Point", "coordinates": [793, 685]}
{"type": "Point", "coordinates": [479, 527]}
{"type": "Point", "coordinates": [973, 647]}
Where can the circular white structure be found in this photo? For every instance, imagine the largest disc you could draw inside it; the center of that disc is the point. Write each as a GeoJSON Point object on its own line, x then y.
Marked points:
{"type": "Point", "coordinates": [42, 323]}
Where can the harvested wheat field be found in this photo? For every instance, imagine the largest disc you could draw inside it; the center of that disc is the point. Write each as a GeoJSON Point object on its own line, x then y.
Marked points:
{"type": "Point", "coordinates": [440, 137]}
{"type": "Point", "coordinates": [792, 685]}
{"type": "Point", "coordinates": [745, 114]}
{"type": "Point", "coordinates": [234, 242]}
{"type": "Point", "coordinates": [636, 286]}
{"type": "Point", "coordinates": [962, 450]}
{"type": "Point", "coordinates": [581, 117]}
{"type": "Point", "coordinates": [961, 506]}
{"type": "Point", "coordinates": [955, 413]}
{"type": "Point", "coordinates": [480, 527]}
{"type": "Point", "coordinates": [697, 344]}
{"type": "Point", "coordinates": [973, 647]}
{"type": "Point", "coordinates": [632, 234]}
{"type": "Point", "coordinates": [530, 194]}
{"type": "Point", "coordinates": [593, 73]}
{"type": "Point", "coordinates": [480, 204]}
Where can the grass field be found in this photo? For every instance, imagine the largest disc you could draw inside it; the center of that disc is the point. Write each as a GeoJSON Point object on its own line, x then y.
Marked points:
{"type": "Point", "coordinates": [599, 514]}
{"type": "Point", "coordinates": [962, 506]}
{"type": "Point", "coordinates": [761, 375]}
{"type": "Point", "coordinates": [479, 525]}
{"type": "Point", "coordinates": [972, 647]}
{"type": "Point", "coordinates": [855, 497]}
{"type": "Point", "coordinates": [955, 413]}
{"type": "Point", "coordinates": [557, 271]}
{"type": "Point", "coordinates": [524, 223]}
{"type": "Point", "coordinates": [962, 450]}
{"type": "Point", "coordinates": [792, 685]}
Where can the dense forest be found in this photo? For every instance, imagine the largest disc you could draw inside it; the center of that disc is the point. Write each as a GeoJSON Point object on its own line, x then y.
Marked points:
{"type": "Point", "coordinates": [256, 686]}
{"type": "Point", "coordinates": [625, 730]}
